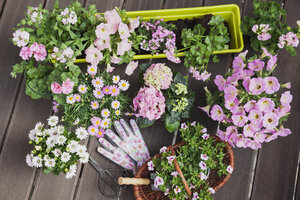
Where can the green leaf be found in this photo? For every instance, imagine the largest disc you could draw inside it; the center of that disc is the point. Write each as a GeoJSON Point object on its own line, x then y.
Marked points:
{"type": "Point", "coordinates": [144, 122]}
{"type": "Point", "coordinates": [170, 125]}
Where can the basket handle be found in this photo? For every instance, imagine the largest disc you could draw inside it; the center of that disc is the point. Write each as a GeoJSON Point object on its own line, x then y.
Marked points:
{"type": "Point", "coordinates": [133, 181]}
{"type": "Point", "coordinates": [186, 186]}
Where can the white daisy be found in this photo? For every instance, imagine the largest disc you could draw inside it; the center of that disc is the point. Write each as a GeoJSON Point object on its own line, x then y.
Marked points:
{"type": "Point", "coordinates": [115, 104]}
{"type": "Point", "coordinates": [61, 140]}
{"type": "Point", "coordinates": [73, 146]}
{"type": "Point", "coordinates": [56, 152]}
{"type": "Point", "coordinates": [39, 126]}
{"type": "Point", "coordinates": [71, 172]}
{"type": "Point", "coordinates": [123, 85]}
{"type": "Point", "coordinates": [50, 162]}
{"type": "Point", "coordinates": [46, 132]}
{"type": "Point", "coordinates": [39, 133]}
{"type": "Point", "coordinates": [53, 132]}
{"type": "Point", "coordinates": [60, 129]}
{"type": "Point", "coordinates": [29, 160]}
{"type": "Point", "coordinates": [81, 150]}
{"type": "Point", "coordinates": [50, 142]}
{"type": "Point", "coordinates": [117, 112]}
{"type": "Point", "coordinates": [82, 89]}
{"type": "Point", "coordinates": [70, 99]}
{"type": "Point", "coordinates": [76, 121]}
{"type": "Point", "coordinates": [84, 158]}
{"type": "Point", "coordinates": [32, 134]}
{"type": "Point", "coordinates": [116, 79]}
{"type": "Point", "coordinates": [105, 123]}
{"type": "Point", "coordinates": [37, 161]}
{"type": "Point", "coordinates": [97, 82]}
{"type": "Point", "coordinates": [81, 133]}
{"type": "Point", "coordinates": [53, 120]}
{"type": "Point", "coordinates": [65, 157]}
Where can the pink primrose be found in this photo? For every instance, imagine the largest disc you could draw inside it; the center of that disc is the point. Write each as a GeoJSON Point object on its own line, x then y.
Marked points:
{"type": "Point", "coordinates": [270, 121]}
{"type": "Point", "coordinates": [230, 93]}
{"type": "Point", "coordinates": [239, 120]}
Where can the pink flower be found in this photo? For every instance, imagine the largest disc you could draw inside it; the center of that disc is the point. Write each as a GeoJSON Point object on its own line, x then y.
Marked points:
{"type": "Point", "coordinates": [216, 113]}
{"type": "Point", "coordinates": [246, 83]}
{"type": "Point", "coordinates": [150, 165]}
{"type": "Point", "coordinates": [270, 121]}
{"type": "Point", "coordinates": [114, 90]}
{"type": "Point", "coordinates": [205, 109]}
{"type": "Point", "coordinates": [239, 120]}
{"type": "Point", "coordinates": [170, 159]}
{"type": "Point", "coordinates": [177, 189]}
{"type": "Point", "coordinates": [93, 55]}
{"type": "Point", "coordinates": [254, 28]}
{"type": "Point", "coordinates": [238, 110]}
{"type": "Point", "coordinates": [98, 93]}
{"type": "Point", "coordinates": [265, 105]}
{"type": "Point", "coordinates": [253, 145]}
{"type": "Point", "coordinates": [204, 75]}
{"type": "Point", "coordinates": [250, 105]}
{"type": "Point", "coordinates": [55, 106]}
{"type": "Point", "coordinates": [220, 82]}
{"type": "Point", "coordinates": [56, 88]}
{"type": "Point", "coordinates": [102, 31]}
{"type": "Point", "coordinates": [292, 39]}
{"type": "Point", "coordinates": [115, 59]}
{"type": "Point", "coordinates": [67, 86]}
{"type": "Point", "coordinates": [105, 113]}
{"type": "Point", "coordinates": [257, 85]}
{"type": "Point", "coordinates": [204, 157]}
{"type": "Point", "coordinates": [284, 132]}
{"type": "Point", "coordinates": [77, 97]}
{"type": "Point", "coordinates": [259, 137]}
{"type": "Point", "coordinates": [93, 130]}
{"type": "Point", "coordinates": [287, 85]}
{"type": "Point", "coordinates": [238, 64]}
{"type": "Point", "coordinates": [266, 52]}
{"type": "Point", "coordinates": [183, 126]}
{"type": "Point", "coordinates": [205, 136]}
{"type": "Point", "coordinates": [271, 63]}
{"type": "Point", "coordinates": [106, 90]}
{"type": "Point", "coordinates": [94, 105]}
{"type": "Point", "coordinates": [256, 65]}
{"type": "Point", "coordinates": [286, 98]}
{"type": "Point", "coordinates": [230, 93]}
{"type": "Point", "coordinates": [113, 19]}
{"type": "Point", "coordinates": [97, 82]}
{"type": "Point", "coordinates": [202, 165]}
{"type": "Point", "coordinates": [202, 176]}
{"type": "Point", "coordinates": [247, 131]}
{"type": "Point", "coordinates": [133, 24]}
{"type": "Point", "coordinates": [92, 70]}
{"type": "Point", "coordinates": [229, 169]}
{"type": "Point", "coordinates": [123, 31]}
{"type": "Point", "coordinates": [272, 85]}
{"type": "Point", "coordinates": [26, 53]}
{"type": "Point", "coordinates": [131, 67]}
{"type": "Point", "coordinates": [175, 174]}
{"type": "Point", "coordinates": [241, 142]}
{"type": "Point", "coordinates": [232, 104]}
{"type": "Point", "coordinates": [163, 149]}
{"type": "Point", "coordinates": [96, 121]}
{"type": "Point", "coordinates": [109, 68]}
{"type": "Point", "coordinates": [159, 76]}
{"type": "Point", "coordinates": [100, 133]}
{"type": "Point", "coordinates": [283, 110]}
{"type": "Point", "coordinates": [123, 46]}
{"type": "Point", "coordinates": [255, 116]}
{"type": "Point", "coordinates": [39, 51]}
{"type": "Point", "coordinates": [102, 44]}
{"type": "Point", "coordinates": [264, 36]}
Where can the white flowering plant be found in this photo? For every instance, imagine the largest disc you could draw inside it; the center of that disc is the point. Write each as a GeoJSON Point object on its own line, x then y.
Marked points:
{"type": "Point", "coordinates": [49, 42]}
{"type": "Point", "coordinates": [198, 157]}
{"type": "Point", "coordinates": [96, 102]}
{"type": "Point", "coordinates": [268, 28]}
{"type": "Point", "coordinates": [57, 149]}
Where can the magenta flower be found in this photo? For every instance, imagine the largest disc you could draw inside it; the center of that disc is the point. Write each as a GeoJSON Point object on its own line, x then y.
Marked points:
{"type": "Point", "coordinates": [94, 105]}
{"type": "Point", "coordinates": [220, 82]}
{"type": "Point", "coordinates": [98, 93]}
{"type": "Point", "coordinates": [39, 51]}
{"type": "Point", "coordinates": [202, 165]}
{"type": "Point", "coordinates": [239, 120]}
{"type": "Point", "coordinates": [100, 133]}
{"type": "Point", "coordinates": [150, 165]}
{"type": "Point", "coordinates": [250, 105]}
{"type": "Point", "coordinates": [270, 121]}
{"type": "Point", "coordinates": [93, 55]}
{"type": "Point", "coordinates": [55, 106]}
{"type": "Point", "coordinates": [255, 116]}
{"type": "Point", "coordinates": [257, 85]}
{"type": "Point", "coordinates": [256, 65]}
{"type": "Point", "coordinates": [272, 85]}
{"type": "Point", "coordinates": [26, 53]}
{"type": "Point", "coordinates": [230, 93]}
{"type": "Point", "coordinates": [204, 157]}
{"type": "Point", "coordinates": [175, 174]}
{"type": "Point", "coordinates": [114, 90]}
{"type": "Point", "coordinates": [216, 113]}
{"type": "Point", "coordinates": [96, 121]}
{"type": "Point", "coordinates": [170, 159]}
{"type": "Point", "coordinates": [131, 67]}
{"type": "Point", "coordinates": [163, 149]}
{"type": "Point", "coordinates": [67, 86]}
{"type": "Point", "coordinates": [56, 88]}
{"type": "Point", "coordinates": [246, 83]}
{"type": "Point", "coordinates": [286, 98]}
{"type": "Point", "coordinates": [265, 105]}
{"type": "Point", "coordinates": [259, 137]}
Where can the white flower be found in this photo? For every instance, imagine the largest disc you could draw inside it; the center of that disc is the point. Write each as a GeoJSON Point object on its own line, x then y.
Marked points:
{"type": "Point", "coordinates": [46, 132]}
{"type": "Point", "coordinates": [50, 162]}
{"type": "Point", "coordinates": [70, 99]}
{"type": "Point", "coordinates": [150, 165]}
{"type": "Point", "coordinates": [195, 196]}
{"type": "Point", "coordinates": [29, 160]}
{"type": "Point", "coordinates": [105, 123]}
{"type": "Point", "coordinates": [84, 158]}
{"type": "Point", "coordinates": [81, 133]}
{"type": "Point", "coordinates": [37, 161]}
{"type": "Point", "coordinates": [81, 149]}
{"type": "Point", "coordinates": [211, 190]}
{"type": "Point", "coordinates": [21, 38]}
{"type": "Point", "coordinates": [38, 148]}
{"type": "Point", "coordinates": [204, 157]}
{"type": "Point", "coordinates": [73, 146]}
{"type": "Point", "coordinates": [60, 129]}
{"type": "Point", "coordinates": [76, 121]}
{"type": "Point", "coordinates": [116, 79]}
{"type": "Point", "coordinates": [117, 112]}
{"type": "Point", "coordinates": [53, 120]}
{"type": "Point", "coordinates": [53, 132]}
{"type": "Point", "coordinates": [39, 126]}
{"type": "Point", "coordinates": [123, 85]}
{"type": "Point", "coordinates": [82, 89]}
{"type": "Point", "coordinates": [202, 176]}
{"type": "Point", "coordinates": [65, 157]}
{"type": "Point", "coordinates": [39, 133]}
{"type": "Point", "coordinates": [115, 104]}
{"type": "Point", "coordinates": [71, 172]}
{"type": "Point", "coordinates": [229, 169]}
{"type": "Point", "coordinates": [50, 142]}
{"type": "Point", "coordinates": [32, 135]}
{"type": "Point", "coordinates": [61, 140]}
{"type": "Point", "coordinates": [56, 152]}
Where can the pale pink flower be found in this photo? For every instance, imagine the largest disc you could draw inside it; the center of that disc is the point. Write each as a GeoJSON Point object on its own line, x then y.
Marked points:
{"type": "Point", "coordinates": [232, 104]}
{"type": "Point", "coordinates": [26, 53]}
{"type": "Point", "coordinates": [264, 36]}
{"type": "Point", "coordinates": [163, 149]}
{"type": "Point", "coordinates": [67, 86]}
{"type": "Point", "coordinates": [259, 137]}
{"type": "Point", "coordinates": [271, 63]}
{"type": "Point", "coordinates": [177, 189]}
{"type": "Point", "coordinates": [238, 64]}
{"type": "Point", "coordinates": [254, 28]}
{"type": "Point", "coordinates": [123, 46]}
{"type": "Point", "coordinates": [170, 159]}
{"type": "Point", "coordinates": [283, 110]}
{"type": "Point", "coordinates": [247, 131]}
{"type": "Point", "coordinates": [96, 121]}
{"type": "Point", "coordinates": [220, 82]}
{"type": "Point", "coordinates": [94, 105]}
{"type": "Point", "coordinates": [286, 98]}
{"type": "Point", "coordinates": [123, 31]}
{"type": "Point", "coordinates": [204, 75]}
{"type": "Point", "coordinates": [205, 109]}
{"type": "Point", "coordinates": [93, 130]}
{"type": "Point", "coordinates": [202, 176]}
{"type": "Point", "coordinates": [272, 85]}
{"type": "Point", "coordinates": [292, 39]}
{"type": "Point", "coordinates": [102, 31]}
{"type": "Point", "coordinates": [246, 83]}
{"type": "Point", "coordinates": [131, 67]}
{"type": "Point", "coordinates": [286, 85]}
{"type": "Point", "coordinates": [270, 121]}
{"type": "Point", "coordinates": [93, 55]}
{"type": "Point", "coordinates": [113, 19]}
{"type": "Point", "coordinates": [256, 65]}
{"type": "Point", "coordinates": [241, 142]}
{"type": "Point", "coordinates": [265, 105]}
{"type": "Point", "coordinates": [97, 82]}
{"type": "Point", "coordinates": [216, 113]}
{"type": "Point", "coordinates": [253, 144]}
{"type": "Point", "coordinates": [205, 136]}
{"type": "Point", "coordinates": [183, 126]}
{"type": "Point", "coordinates": [77, 97]}
{"type": "Point", "coordinates": [159, 76]}
{"type": "Point", "coordinates": [114, 90]}
{"type": "Point", "coordinates": [92, 70]}
{"type": "Point", "coordinates": [102, 44]}
{"type": "Point", "coordinates": [115, 59]}
{"type": "Point", "coordinates": [175, 174]}
{"type": "Point", "coordinates": [255, 116]}
{"type": "Point", "coordinates": [239, 120]}
{"type": "Point", "coordinates": [109, 68]}
{"type": "Point", "coordinates": [284, 132]}
{"type": "Point", "coordinates": [250, 105]}
{"type": "Point", "coordinates": [230, 93]}
{"type": "Point", "coordinates": [39, 51]}
{"type": "Point", "coordinates": [98, 93]}
{"type": "Point", "coordinates": [257, 85]}
{"type": "Point", "coordinates": [204, 157]}
{"type": "Point", "coordinates": [56, 88]}
{"type": "Point", "coordinates": [202, 165]}
{"type": "Point", "coordinates": [133, 24]}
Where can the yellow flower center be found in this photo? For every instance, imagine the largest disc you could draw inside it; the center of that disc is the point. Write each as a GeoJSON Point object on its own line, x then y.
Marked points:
{"type": "Point", "coordinates": [82, 89]}
{"type": "Point", "coordinates": [113, 90]}
{"type": "Point", "coordinates": [99, 92]}
{"type": "Point", "coordinates": [105, 123]}
{"type": "Point", "coordinates": [93, 130]}
{"type": "Point", "coordinates": [97, 122]}
{"type": "Point", "coordinates": [123, 84]}
{"type": "Point", "coordinates": [100, 133]}
{"type": "Point", "coordinates": [92, 69]}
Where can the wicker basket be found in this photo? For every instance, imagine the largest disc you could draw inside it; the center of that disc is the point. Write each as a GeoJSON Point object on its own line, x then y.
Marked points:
{"type": "Point", "coordinates": [144, 192]}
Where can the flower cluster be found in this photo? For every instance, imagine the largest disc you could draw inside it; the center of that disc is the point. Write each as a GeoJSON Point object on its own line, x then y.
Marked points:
{"type": "Point", "coordinates": [159, 76]}
{"type": "Point", "coordinates": [196, 74]}
{"type": "Point", "coordinates": [161, 39]}
{"type": "Point", "coordinates": [62, 55]}
{"type": "Point", "coordinates": [68, 16]}
{"type": "Point", "coordinates": [56, 149]}
{"type": "Point", "coordinates": [35, 14]}
{"type": "Point", "coordinates": [65, 88]}
{"type": "Point", "coordinates": [21, 38]}
{"type": "Point", "coordinates": [262, 31]}
{"type": "Point", "coordinates": [150, 103]}
{"type": "Point", "coordinates": [289, 39]}
{"type": "Point", "coordinates": [249, 104]}
{"type": "Point", "coordinates": [196, 173]}
{"type": "Point", "coordinates": [37, 50]}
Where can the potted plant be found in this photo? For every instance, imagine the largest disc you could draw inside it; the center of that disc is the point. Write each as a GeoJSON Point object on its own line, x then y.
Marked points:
{"type": "Point", "coordinates": [249, 102]}
{"type": "Point", "coordinates": [194, 168]}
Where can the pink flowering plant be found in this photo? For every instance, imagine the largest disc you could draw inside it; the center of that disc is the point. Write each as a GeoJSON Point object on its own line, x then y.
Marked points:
{"type": "Point", "coordinates": [95, 103]}
{"type": "Point", "coordinates": [268, 28]}
{"type": "Point", "coordinates": [56, 148]}
{"type": "Point", "coordinates": [198, 157]}
{"type": "Point", "coordinates": [49, 42]}
{"type": "Point", "coordinates": [250, 102]}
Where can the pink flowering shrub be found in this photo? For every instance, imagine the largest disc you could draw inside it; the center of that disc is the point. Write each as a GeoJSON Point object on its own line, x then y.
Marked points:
{"type": "Point", "coordinates": [249, 104]}
{"type": "Point", "coordinates": [149, 103]}
{"type": "Point", "coordinates": [159, 76]}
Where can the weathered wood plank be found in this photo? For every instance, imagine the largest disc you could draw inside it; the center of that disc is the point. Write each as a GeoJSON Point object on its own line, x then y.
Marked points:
{"type": "Point", "coordinates": [183, 3]}
{"type": "Point", "coordinates": [278, 160]}
{"type": "Point", "coordinates": [222, 2]}
{"type": "Point", "coordinates": [105, 5]}
{"type": "Point", "coordinates": [142, 5]}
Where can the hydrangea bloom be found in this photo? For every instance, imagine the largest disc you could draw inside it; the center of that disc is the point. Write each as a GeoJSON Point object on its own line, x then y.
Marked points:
{"type": "Point", "coordinates": [159, 76]}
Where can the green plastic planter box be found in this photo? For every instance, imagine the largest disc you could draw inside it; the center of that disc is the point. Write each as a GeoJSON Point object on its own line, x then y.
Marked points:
{"type": "Point", "coordinates": [230, 12]}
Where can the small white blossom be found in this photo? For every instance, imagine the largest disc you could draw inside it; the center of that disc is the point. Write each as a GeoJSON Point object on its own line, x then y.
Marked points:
{"type": "Point", "coordinates": [81, 133]}
{"type": "Point", "coordinates": [32, 135]}
{"type": "Point", "coordinates": [71, 172]}
{"type": "Point", "coordinates": [53, 120]}
{"type": "Point", "coordinates": [84, 157]}
{"type": "Point", "coordinates": [73, 146]}
{"type": "Point", "coordinates": [50, 162]}
{"type": "Point", "coordinates": [39, 126]}
{"type": "Point", "coordinates": [50, 142]}
{"type": "Point", "coordinates": [37, 161]}
{"type": "Point", "coordinates": [116, 79]}
{"type": "Point", "coordinates": [65, 157]}
{"type": "Point", "coordinates": [61, 140]}
{"type": "Point", "coordinates": [60, 129]}
{"type": "Point", "coordinates": [56, 152]}
{"type": "Point", "coordinates": [29, 160]}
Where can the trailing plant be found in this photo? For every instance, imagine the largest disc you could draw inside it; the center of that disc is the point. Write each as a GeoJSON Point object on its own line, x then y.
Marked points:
{"type": "Point", "coordinates": [268, 28]}
{"type": "Point", "coordinates": [197, 158]}
{"type": "Point", "coordinates": [199, 45]}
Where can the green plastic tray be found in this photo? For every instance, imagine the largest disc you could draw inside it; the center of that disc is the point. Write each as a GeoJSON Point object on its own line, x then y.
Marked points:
{"type": "Point", "coordinates": [230, 12]}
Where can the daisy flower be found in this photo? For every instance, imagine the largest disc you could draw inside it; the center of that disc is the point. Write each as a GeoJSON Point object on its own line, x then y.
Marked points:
{"type": "Point", "coordinates": [105, 123]}
{"type": "Point", "coordinates": [81, 150]}
{"type": "Point", "coordinates": [32, 135]}
{"type": "Point", "coordinates": [37, 161]}
{"type": "Point", "coordinates": [50, 162]}
{"type": "Point", "coordinates": [117, 112]}
{"type": "Point", "coordinates": [56, 152]}
{"type": "Point", "coordinates": [96, 121]}
{"type": "Point", "coordinates": [105, 113]}
{"type": "Point", "coordinates": [106, 90]}
{"type": "Point", "coordinates": [39, 126]}
{"type": "Point", "coordinates": [97, 82]}
{"type": "Point", "coordinates": [123, 85]}
{"type": "Point", "coordinates": [82, 89]}
{"type": "Point", "coordinates": [73, 146]}
{"type": "Point", "coordinates": [116, 79]}
{"type": "Point", "coordinates": [61, 140]}
{"type": "Point", "coordinates": [114, 90]}
{"type": "Point", "coordinates": [53, 120]}
{"type": "Point", "coordinates": [84, 158]}
{"type": "Point", "coordinates": [81, 133]}
{"type": "Point", "coordinates": [65, 157]}
{"type": "Point", "coordinates": [93, 130]}
{"type": "Point", "coordinates": [50, 142]}
{"type": "Point", "coordinates": [29, 160]}
{"type": "Point", "coordinates": [98, 93]}
{"type": "Point", "coordinates": [60, 129]}
{"type": "Point", "coordinates": [71, 172]}
{"type": "Point", "coordinates": [77, 97]}
{"type": "Point", "coordinates": [94, 105]}
{"type": "Point", "coordinates": [115, 104]}
{"type": "Point", "coordinates": [92, 70]}
{"type": "Point", "coordinates": [70, 99]}
{"type": "Point", "coordinates": [100, 133]}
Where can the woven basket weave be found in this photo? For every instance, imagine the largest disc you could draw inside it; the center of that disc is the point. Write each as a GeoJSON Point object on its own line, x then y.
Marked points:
{"type": "Point", "coordinates": [144, 192]}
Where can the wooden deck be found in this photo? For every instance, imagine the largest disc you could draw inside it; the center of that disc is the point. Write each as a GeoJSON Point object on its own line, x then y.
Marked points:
{"type": "Point", "coordinates": [270, 173]}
